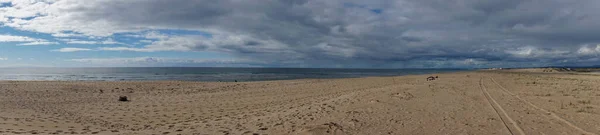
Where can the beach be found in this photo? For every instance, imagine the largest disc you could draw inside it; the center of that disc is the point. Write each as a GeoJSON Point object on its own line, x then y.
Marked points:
{"type": "Point", "coordinates": [470, 102]}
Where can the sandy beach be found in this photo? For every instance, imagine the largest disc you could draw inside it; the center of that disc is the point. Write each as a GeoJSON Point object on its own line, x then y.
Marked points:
{"type": "Point", "coordinates": [476, 102]}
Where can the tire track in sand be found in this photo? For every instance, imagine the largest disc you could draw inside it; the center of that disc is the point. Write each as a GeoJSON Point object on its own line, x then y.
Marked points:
{"type": "Point", "coordinates": [498, 109]}
{"type": "Point", "coordinates": [541, 109]}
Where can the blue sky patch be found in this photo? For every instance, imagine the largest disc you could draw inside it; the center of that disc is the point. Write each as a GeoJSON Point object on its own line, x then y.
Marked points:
{"type": "Point", "coordinates": [7, 4]}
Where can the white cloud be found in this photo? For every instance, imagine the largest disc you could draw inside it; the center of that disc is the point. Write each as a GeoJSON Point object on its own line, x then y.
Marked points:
{"type": "Point", "coordinates": [522, 52]}
{"type": "Point", "coordinates": [11, 38]}
{"type": "Point", "coordinates": [126, 49]}
{"type": "Point", "coordinates": [110, 41]}
{"type": "Point", "coordinates": [1, 58]}
{"type": "Point", "coordinates": [146, 41]}
{"type": "Point", "coordinates": [71, 49]}
{"type": "Point", "coordinates": [90, 42]}
{"type": "Point", "coordinates": [38, 43]}
{"type": "Point", "coordinates": [48, 16]}
{"type": "Point", "coordinates": [66, 35]}
{"type": "Point", "coordinates": [473, 62]}
{"type": "Point", "coordinates": [81, 42]}
{"type": "Point", "coordinates": [76, 41]}
{"type": "Point", "coordinates": [533, 52]}
{"type": "Point", "coordinates": [589, 50]}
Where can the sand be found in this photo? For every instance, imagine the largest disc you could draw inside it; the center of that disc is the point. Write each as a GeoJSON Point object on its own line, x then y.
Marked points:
{"type": "Point", "coordinates": [478, 102]}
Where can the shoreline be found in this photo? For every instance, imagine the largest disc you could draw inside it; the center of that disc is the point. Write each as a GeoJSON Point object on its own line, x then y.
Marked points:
{"type": "Point", "coordinates": [450, 72]}
{"type": "Point", "coordinates": [199, 74]}
{"type": "Point", "coordinates": [453, 104]}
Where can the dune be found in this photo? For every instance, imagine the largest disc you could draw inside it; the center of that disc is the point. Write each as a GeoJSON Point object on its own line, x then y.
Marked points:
{"type": "Point", "coordinates": [476, 102]}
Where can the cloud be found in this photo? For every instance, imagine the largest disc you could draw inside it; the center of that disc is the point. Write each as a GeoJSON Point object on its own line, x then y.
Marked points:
{"type": "Point", "coordinates": [158, 61]}
{"type": "Point", "coordinates": [589, 50]}
{"type": "Point", "coordinates": [385, 33]}
{"type": "Point", "coordinates": [146, 41]}
{"type": "Point", "coordinates": [90, 42]}
{"type": "Point", "coordinates": [532, 52]}
{"type": "Point", "coordinates": [77, 41]}
{"type": "Point", "coordinates": [66, 35]}
{"type": "Point", "coordinates": [217, 42]}
{"type": "Point", "coordinates": [38, 43]}
{"type": "Point", "coordinates": [81, 42]}
{"type": "Point", "coordinates": [126, 49]}
{"type": "Point", "coordinates": [1, 58]}
{"type": "Point", "coordinates": [110, 41]}
{"type": "Point", "coordinates": [71, 49]}
{"type": "Point", "coordinates": [11, 38]}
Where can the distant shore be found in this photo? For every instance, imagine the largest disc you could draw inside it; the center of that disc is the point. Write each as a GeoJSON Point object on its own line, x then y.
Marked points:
{"type": "Point", "coordinates": [467, 102]}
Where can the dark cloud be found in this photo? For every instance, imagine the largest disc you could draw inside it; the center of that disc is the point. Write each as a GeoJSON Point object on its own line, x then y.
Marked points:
{"type": "Point", "coordinates": [385, 33]}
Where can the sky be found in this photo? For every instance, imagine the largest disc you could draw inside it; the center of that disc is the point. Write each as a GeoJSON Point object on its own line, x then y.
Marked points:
{"type": "Point", "coordinates": [299, 33]}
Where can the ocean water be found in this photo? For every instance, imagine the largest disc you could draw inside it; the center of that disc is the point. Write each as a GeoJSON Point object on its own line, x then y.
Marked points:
{"type": "Point", "coordinates": [198, 73]}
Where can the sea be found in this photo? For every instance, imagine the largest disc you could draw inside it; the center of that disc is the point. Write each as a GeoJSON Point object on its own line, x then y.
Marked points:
{"type": "Point", "coordinates": [207, 74]}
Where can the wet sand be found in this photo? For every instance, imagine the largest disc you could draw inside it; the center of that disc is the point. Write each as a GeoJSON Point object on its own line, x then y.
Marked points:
{"type": "Point", "coordinates": [478, 102]}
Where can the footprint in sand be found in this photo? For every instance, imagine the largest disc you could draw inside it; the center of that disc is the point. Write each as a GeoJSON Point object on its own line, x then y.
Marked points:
{"type": "Point", "coordinates": [403, 95]}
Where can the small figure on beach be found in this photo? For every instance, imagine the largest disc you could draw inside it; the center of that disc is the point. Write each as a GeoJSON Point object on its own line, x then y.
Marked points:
{"type": "Point", "coordinates": [430, 78]}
